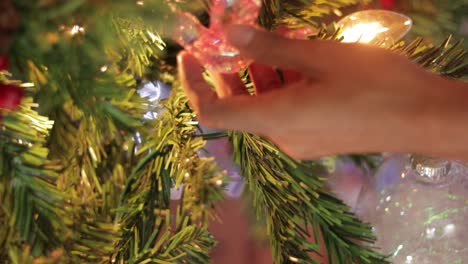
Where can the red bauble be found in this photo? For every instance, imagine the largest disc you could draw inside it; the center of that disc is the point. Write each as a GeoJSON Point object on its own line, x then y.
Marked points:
{"type": "Point", "coordinates": [388, 4]}
{"type": "Point", "coordinates": [4, 63]}
{"type": "Point", "coordinates": [10, 96]}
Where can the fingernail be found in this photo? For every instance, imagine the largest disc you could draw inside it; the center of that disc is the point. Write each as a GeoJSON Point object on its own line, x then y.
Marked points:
{"type": "Point", "coordinates": [240, 35]}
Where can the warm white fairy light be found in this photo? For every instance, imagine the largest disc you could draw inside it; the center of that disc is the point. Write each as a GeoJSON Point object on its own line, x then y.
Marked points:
{"type": "Point", "coordinates": [76, 29]}
{"type": "Point", "coordinates": [27, 85]}
{"type": "Point", "coordinates": [219, 182]}
{"type": "Point", "coordinates": [430, 232]}
{"type": "Point", "coordinates": [293, 259]}
{"type": "Point", "coordinates": [104, 68]}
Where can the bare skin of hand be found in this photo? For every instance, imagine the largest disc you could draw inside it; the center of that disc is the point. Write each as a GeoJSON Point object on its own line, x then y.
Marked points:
{"type": "Point", "coordinates": [336, 98]}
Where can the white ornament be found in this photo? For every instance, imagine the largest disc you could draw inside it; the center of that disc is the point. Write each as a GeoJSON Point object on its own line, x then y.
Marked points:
{"type": "Point", "coordinates": [419, 213]}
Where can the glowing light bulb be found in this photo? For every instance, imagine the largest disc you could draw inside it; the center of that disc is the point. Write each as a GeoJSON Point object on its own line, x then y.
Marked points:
{"type": "Point", "coordinates": [76, 29]}
{"type": "Point", "coordinates": [363, 33]}
{"type": "Point", "coordinates": [293, 259]}
{"type": "Point", "coordinates": [375, 27]}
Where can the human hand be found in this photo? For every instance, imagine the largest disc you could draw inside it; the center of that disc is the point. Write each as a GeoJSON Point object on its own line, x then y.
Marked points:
{"type": "Point", "coordinates": [336, 98]}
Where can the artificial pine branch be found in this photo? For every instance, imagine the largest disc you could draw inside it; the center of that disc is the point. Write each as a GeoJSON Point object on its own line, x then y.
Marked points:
{"type": "Point", "coordinates": [435, 19]}
{"type": "Point", "coordinates": [91, 107]}
{"type": "Point", "coordinates": [104, 185]}
{"type": "Point", "coordinates": [292, 198]}
{"type": "Point", "coordinates": [447, 59]}
{"type": "Point", "coordinates": [31, 210]}
{"type": "Point", "coordinates": [169, 158]}
{"type": "Point", "coordinates": [80, 138]}
{"type": "Point", "coordinates": [139, 43]}
{"type": "Point", "coordinates": [301, 12]}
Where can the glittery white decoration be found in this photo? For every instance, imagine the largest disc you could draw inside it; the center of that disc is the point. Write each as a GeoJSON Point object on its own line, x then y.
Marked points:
{"type": "Point", "coordinates": [415, 220]}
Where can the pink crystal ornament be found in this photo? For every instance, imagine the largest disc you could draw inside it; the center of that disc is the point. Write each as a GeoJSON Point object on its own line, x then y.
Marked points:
{"type": "Point", "coordinates": [209, 45]}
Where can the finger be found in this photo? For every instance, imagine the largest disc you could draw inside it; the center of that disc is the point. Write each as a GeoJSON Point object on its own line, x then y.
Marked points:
{"type": "Point", "coordinates": [228, 85]}
{"type": "Point", "coordinates": [290, 76]}
{"type": "Point", "coordinates": [296, 33]}
{"type": "Point", "coordinates": [264, 78]}
{"type": "Point", "coordinates": [243, 112]}
{"type": "Point", "coordinates": [272, 49]}
{"type": "Point", "coordinates": [191, 78]}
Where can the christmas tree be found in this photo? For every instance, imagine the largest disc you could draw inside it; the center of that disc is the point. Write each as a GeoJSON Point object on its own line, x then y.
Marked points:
{"type": "Point", "coordinates": [88, 161]}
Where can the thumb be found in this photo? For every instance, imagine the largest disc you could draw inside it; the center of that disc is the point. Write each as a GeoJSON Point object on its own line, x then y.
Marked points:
{"type": "Point", "coordinates": [273, 49]}
{"type": "Point", "coordinates": [240, 112]}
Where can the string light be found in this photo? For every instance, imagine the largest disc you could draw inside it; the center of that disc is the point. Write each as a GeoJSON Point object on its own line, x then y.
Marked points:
{"type": "Point", "coordinates": [76, 29]}
{"type": "Point", "coordinates": [293, 259]}
{"type": "Point", "coordinates": [375, 27]}
{"type": "Point", "coordinates": [27, 85]}
{"type": "Point", "coordinates": [73, 30]}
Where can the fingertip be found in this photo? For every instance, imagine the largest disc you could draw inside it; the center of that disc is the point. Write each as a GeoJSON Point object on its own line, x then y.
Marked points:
{"type": "Point", "coordinates": [180, 56]}
{"type": "Point", "coordinates": [188, 62]}
{"type": "Point", "coordinates": [190, 74]}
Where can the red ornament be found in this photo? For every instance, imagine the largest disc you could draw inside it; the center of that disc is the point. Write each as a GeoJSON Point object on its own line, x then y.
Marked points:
{"type": "Point", "coordinates": [388, 4]}
{"type": "Point", "coordinates": [10, 96]}
{"type": "Point", "coordinates": [4, 63]}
